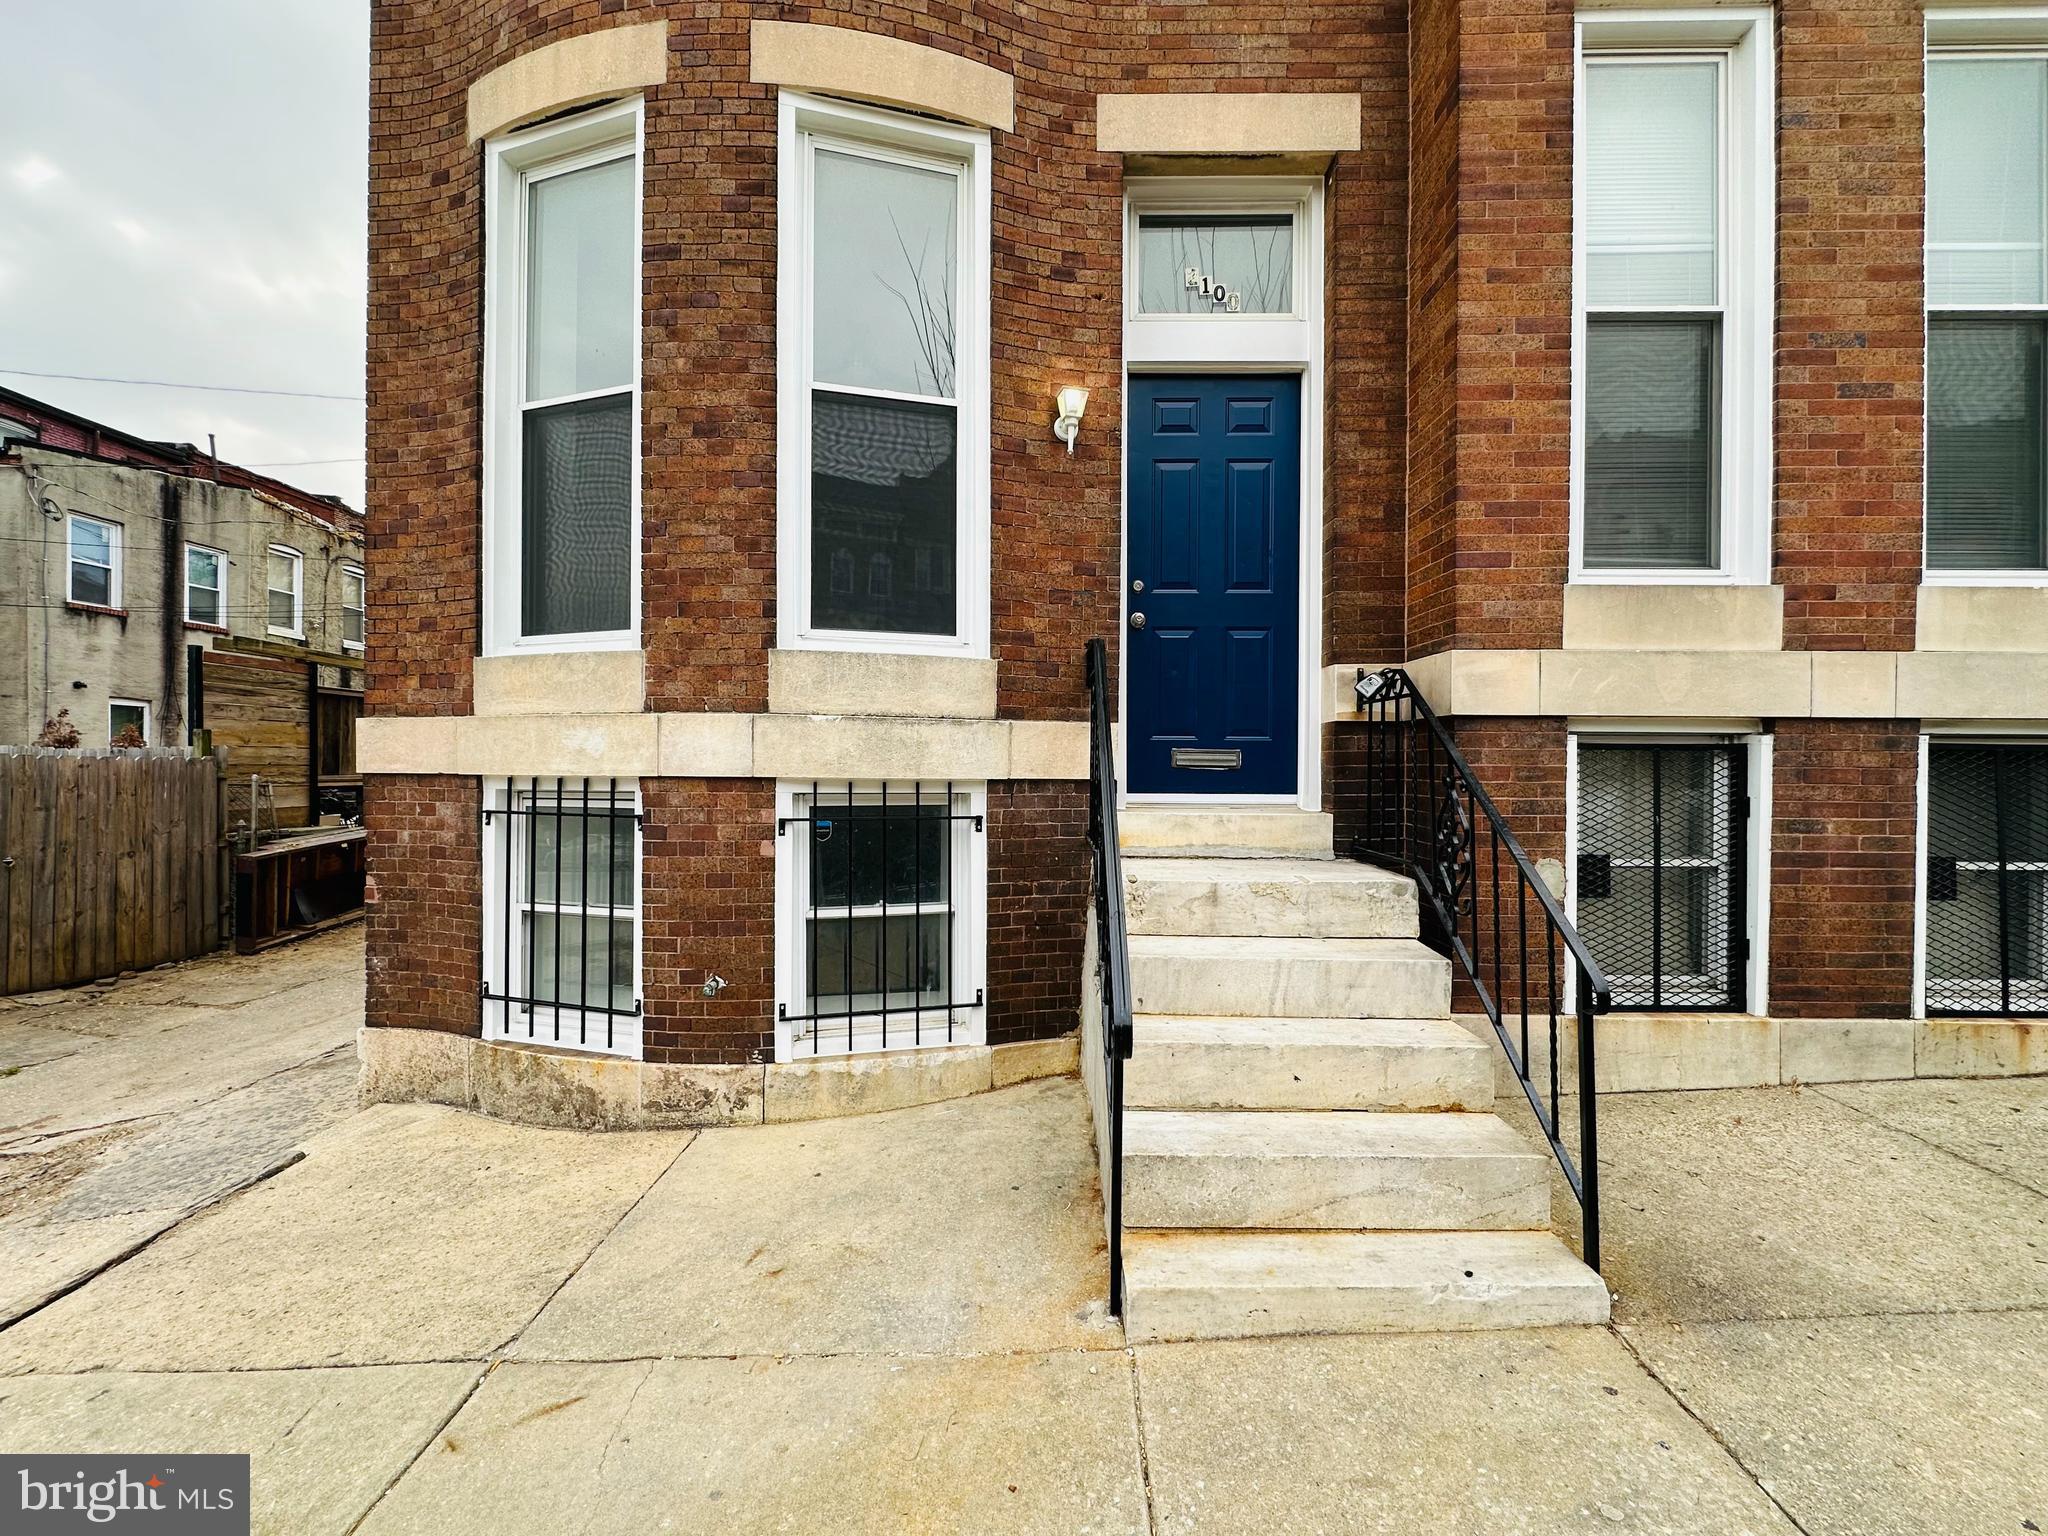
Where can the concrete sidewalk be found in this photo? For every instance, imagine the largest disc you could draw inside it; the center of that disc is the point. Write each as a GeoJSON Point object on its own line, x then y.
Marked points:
{"type": "Point", "coordinates": [1834, 1319]}
{"type": "Point", "coordinates": [127, 1105]}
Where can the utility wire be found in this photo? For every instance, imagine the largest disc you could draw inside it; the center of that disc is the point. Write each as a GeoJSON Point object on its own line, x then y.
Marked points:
{"type": "Point", "coordinates": [215, 389]}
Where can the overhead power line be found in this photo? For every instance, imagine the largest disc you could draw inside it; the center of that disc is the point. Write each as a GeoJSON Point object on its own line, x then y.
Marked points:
{"type": "Point", "coordinates": [216, 389]}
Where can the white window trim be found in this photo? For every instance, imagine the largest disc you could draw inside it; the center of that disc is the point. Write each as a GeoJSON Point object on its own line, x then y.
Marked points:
{"type": "Point", "coordinates": [1224, 339]}
{"type": "Point", "coordinates": [1756, 895]}
{"type": "Point", "coordinates": [297, 631]}
{"type": "Point", "coordinates": [510, 163]}
{"type": "Point", "coordinates": [802, 120]}
{"type": "Point", "coordinates": [628, 1034]}
{"type": "Point", "coordinates": [114, 542]}
{"type": "Point", "coordinates": [363, 607]}
{"type": "Point", "coordinates": [148, 717]}
{"type": "Point", "coordinates": [1742, 36]}
{"type": "Point", "coordinates": [969, 960]}
{"type": "Point", "coordinates": [219, 588]}
{"type": "Point", "coordinates": [1983, 32]}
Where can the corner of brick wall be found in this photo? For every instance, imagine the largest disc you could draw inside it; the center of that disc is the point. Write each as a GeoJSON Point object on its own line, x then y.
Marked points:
{"type": "Point", "coordinates": [1039, 884]}
{"type": "Point", "coordinates": [424, 939]}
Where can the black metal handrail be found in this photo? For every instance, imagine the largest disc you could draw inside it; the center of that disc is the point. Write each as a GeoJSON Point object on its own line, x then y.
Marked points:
{"type": "Point", "coordinates": [1112, 959]}
{"type": "Point", "coordinates": [1422, 814]}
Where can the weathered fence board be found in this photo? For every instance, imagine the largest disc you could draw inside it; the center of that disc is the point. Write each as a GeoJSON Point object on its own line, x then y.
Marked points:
{"type": "Point", "coordinates": [109, 862]}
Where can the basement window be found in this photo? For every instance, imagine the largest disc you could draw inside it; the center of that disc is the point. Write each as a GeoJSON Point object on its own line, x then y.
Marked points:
{"type": "Point", "coordinates": [562, 913]}
{"type": "Point", "coordinates": [1659, 875]}
{"type": "Point", "coordinates": [881, 908]}
{"type": "Point", "coordinates": [1986, 944]}
{"type": "Point", "coordinates": [128, 722]}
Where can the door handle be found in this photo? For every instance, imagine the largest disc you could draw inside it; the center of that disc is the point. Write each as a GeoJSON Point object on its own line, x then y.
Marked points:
{"type": "Point", "coordinates": [1137, 621]}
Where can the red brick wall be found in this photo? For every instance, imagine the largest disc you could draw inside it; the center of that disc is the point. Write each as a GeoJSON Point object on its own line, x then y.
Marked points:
{"type": "Point", "coordinates": [425, 941]}
{"type": "Point", "coordinates": [1850, 341]}
{"type": "Point", "coordinates": [1842, 868]}
{"type": "Point", "coordinates": [708, 893]}
{"type": "Point", "coordinates": [1039, 884]}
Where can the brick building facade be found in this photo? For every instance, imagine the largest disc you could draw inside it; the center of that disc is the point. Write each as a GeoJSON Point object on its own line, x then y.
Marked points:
{"type": "Point", "coordinates": [1631, 474]}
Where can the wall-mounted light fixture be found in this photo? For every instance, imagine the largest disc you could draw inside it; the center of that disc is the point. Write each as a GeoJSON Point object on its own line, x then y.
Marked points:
{"type": "Point", "coordinates": [1066, 426]}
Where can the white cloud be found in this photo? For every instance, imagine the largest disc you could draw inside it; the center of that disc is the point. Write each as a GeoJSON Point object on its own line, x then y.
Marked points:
{"type": "Point", "coordinates": [35, 172]}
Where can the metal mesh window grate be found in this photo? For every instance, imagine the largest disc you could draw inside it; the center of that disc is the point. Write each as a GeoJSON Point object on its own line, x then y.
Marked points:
{"type": "Point", "coordinates": [878, 875]}
{"type": "Point", "coordinates": [566, 917]}
{"type": "Point", "coordinates": [1660, 872]}
{"type": "Point", "coordinates": [1987, 879]}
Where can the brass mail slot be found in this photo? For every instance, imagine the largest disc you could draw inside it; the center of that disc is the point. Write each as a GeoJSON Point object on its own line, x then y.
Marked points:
{"type": "Point", "coordinates": [1214, 759]}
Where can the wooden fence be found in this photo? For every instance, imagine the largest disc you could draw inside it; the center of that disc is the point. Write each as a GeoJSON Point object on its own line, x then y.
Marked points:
{"type": "Point", "coordinates": [109, 862]}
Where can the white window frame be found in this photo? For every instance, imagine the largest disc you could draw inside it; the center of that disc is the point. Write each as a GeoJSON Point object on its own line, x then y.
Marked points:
{"type": "Point", "coordinates": [1223, 339]}
{"type": "Point", "coordinates": [297, 631]}
{"type": "Point", "coordinates": [968, 961]}
{"type": "Point", "coordinates": [500, 1019]}
{"type": "Point", "coordinates": [148, 717]}
{"type": "Point", "coordinates": [219, 588]}
{"type": "Point", "coordinates": [805, 123]}
{"type": "Point", "coordinates": [1740, 37]}
{"type": "Point", "coordinates": [1756, 894]}
{"type": "Point", "coordinates": [354, 573]}
{"type": "Point", "coordinates": [1977, 32]}
{"type": "Point", "coordinates": [512, 163]}
{"type": "Point", "coordinates": [113, 567]}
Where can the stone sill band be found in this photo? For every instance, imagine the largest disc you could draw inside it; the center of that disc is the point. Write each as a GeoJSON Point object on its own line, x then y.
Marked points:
{"type": "Point", "coordinates": [534, 1085]}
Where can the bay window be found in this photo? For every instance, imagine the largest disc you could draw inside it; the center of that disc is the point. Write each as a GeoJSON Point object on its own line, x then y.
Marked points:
{"type": "Point", "coordinates": [883, 370]}
{"type": "Point", "coordinates": [1671, 406]}
{"type": "Point", "coordinates": [562, 371]}
{"type": "Point", "coordinates": [1987, 311]}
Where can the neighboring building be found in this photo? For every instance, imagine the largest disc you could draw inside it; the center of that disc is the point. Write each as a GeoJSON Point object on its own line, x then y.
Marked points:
{"type": "Point", "coordinates": [1588, 364]}
{"type": "Point", "coordinates": [152, 589]}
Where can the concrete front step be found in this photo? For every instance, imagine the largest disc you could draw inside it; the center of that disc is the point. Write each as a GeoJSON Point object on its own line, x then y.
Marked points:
{"type": "Point", "coordinates": [1151, 831]}
{"type": "Point", "coordinates": [1289, 977]}
{"type": "Point", "coordinates": [1209, 1285]}
{"type": "Point", "coordinates": [1307, 1064]}
{"type": "Point", "coordinates": [1319, 1170]}
{"type": "Point", "coordinates": [1277, 898]}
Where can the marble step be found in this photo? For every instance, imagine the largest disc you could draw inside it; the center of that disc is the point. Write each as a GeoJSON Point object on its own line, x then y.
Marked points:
{"type": "Point", "coordinates": [1277, 898]}
{"type": "Point", "coordinates": [1320, 1170]}
{"type": "Point", "coordinates": [1288, 977]}
{"type": "Point", "coordinates": [1160, 831]}
{"type": "Point", "coordinates": [1279, 1064]}
{"type": "Point", "coordinates": [1232, 1285]}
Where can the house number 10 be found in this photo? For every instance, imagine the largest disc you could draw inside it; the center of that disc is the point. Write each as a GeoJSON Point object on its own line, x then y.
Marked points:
{"type": "Point", "coordinates": [1222, 297]}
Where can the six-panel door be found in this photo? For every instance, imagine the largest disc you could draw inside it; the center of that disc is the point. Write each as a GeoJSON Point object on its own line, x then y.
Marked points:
{"type": "Point", "coordinates": [1212, 604]}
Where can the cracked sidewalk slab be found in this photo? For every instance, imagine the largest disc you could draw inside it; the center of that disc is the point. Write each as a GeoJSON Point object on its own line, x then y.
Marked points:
{"type": "Point", "coordinates": [408, 1233]}
{"type": "Point", "coordinates": [323, 1444]}
{"type": "Point", "coordinates": [1015, 1443]}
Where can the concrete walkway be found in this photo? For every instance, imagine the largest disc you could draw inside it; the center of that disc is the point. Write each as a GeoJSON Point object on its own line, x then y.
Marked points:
{"type": "Point", "coordinates": [1833, 1319]}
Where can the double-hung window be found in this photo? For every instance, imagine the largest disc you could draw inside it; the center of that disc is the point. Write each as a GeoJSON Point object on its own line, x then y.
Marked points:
{"type": "Point", "coordinates": [1987, 311]}
{"type": "Point", "coordinates": [95, 560]}
{"type": "Point", "coordinates": [562, 913]}
{"type": "Point", "coordinates": [206, 580]}
{"type": "Point", "coordinates": [352, 608]}
{"type": "Point", "coordinates": [881, 911]}
{"type": "Point", "coordinates": [883, 381]}
{"type": "Point", "coordinates": [1672, 290]}
{"type": "Point", "coordinates": [562, 385]}
{"type": "Point", "coordinates": [285, 591]}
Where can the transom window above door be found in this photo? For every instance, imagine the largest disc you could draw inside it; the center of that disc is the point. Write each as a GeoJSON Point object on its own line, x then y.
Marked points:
{"type": "Point", "coordinates": [1217, 271]}
{"type": "Point", "coordinates": [1216, 263]}
{"type": "Point", "coordinates": [883, 340]}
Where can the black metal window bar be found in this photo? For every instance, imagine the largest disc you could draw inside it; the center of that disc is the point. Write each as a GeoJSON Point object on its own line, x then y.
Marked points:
{"type": "Point", "coordinates": [878, 875]}
{"type": "Point", "coordinates": [1987, 879]}
{"type": "Point", "coordinates": [1419, 810]}
{"type": "Point", "coordinates": [1660, 874]}
{"type": "Point", "coordinates": [568, 922]}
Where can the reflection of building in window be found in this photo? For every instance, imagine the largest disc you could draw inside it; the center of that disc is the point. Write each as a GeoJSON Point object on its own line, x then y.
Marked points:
{"type": "Point", "coordinates": [881, 576]}
{"type": "Point", "coordinates": [921, 576]}
{"type": "Point", "coordinates": [842, 573]}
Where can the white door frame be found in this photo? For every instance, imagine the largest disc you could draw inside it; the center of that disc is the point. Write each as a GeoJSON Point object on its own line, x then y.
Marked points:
{"type": "Point", "coordinates": [1238, 344]}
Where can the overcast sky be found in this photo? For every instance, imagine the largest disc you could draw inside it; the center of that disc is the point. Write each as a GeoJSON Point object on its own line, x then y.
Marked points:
{"type": "Point", "coordinates": [183, 195]}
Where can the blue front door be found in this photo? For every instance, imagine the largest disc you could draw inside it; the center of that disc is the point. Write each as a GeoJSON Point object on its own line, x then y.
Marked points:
{"type": "Point", "coordinates": [1212, 609]}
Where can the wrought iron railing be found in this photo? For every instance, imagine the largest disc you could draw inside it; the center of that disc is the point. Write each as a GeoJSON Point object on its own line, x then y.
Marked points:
{"type": "Point", "coordinates": [1422, 812]}
{"type": "Point", "coordinates": [879, 870]}
{"type": "Point", "coordinates": [1107, 1035]}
